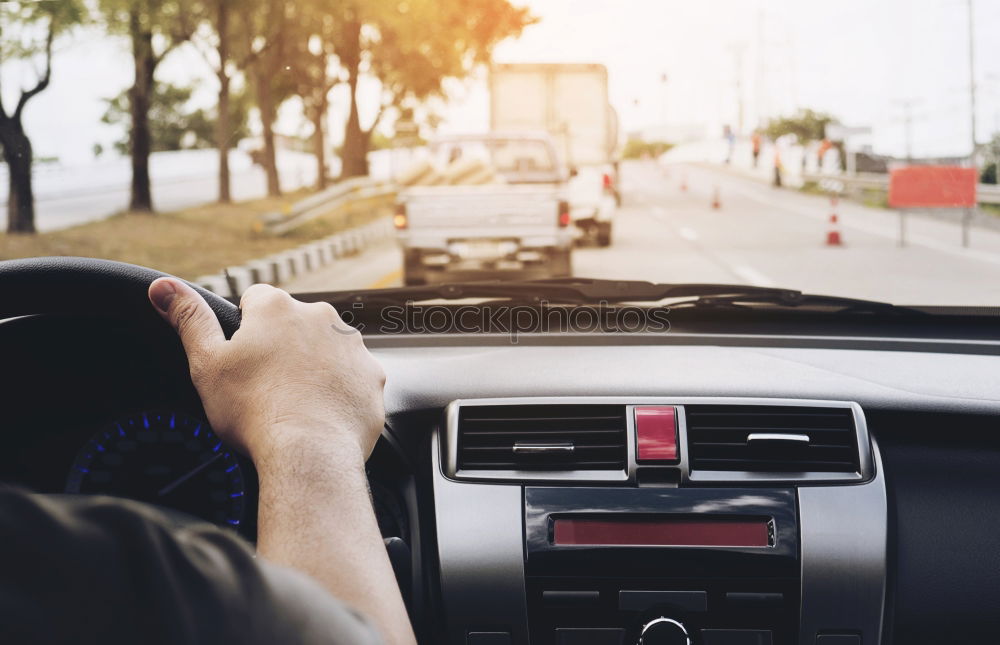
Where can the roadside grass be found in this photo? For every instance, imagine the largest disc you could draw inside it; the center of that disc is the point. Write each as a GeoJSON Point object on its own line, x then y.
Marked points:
{"type": "Point", "coordinates": [868, 197]}
{"type": "Point", "coordinates": [990, 209]}
{"type": "Point", "coordinates": [187, 243]}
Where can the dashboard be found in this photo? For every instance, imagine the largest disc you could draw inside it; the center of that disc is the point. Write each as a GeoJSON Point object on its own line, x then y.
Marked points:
{"type": "Point", "coordinates": [589, 491]}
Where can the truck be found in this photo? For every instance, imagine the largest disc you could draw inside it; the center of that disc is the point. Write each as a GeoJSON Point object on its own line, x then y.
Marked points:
{"type": "Point", "coordinates": [570, 102]}
{"type": "Point", "coordinates": [485, 206]}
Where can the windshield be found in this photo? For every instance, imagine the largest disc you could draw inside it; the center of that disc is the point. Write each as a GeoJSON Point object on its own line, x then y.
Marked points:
{"type": "Point", "coordinates": [843, 148]}
{"type": "Point", "coordinates": [509, 157]}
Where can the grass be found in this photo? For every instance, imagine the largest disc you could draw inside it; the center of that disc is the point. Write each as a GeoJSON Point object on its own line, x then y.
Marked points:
{"type": "Point", "coordinates": [186, 243]}
{"type": "Point", "coordinates": [990, 209]}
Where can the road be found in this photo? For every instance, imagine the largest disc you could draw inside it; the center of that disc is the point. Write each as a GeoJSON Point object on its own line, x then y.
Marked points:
{"type": "Point", "coordinates": [71, 195]}
{"type": "Point", "coordinates": [761, 236]}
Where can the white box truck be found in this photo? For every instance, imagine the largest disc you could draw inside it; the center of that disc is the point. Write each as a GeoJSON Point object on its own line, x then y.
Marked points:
{"type": "Point", "coordinates": [570, 102]}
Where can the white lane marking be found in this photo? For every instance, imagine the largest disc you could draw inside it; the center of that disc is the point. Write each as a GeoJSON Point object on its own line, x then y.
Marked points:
{"type": "Point", "coordinates": [752, 275]}
{"type": "Point", "coordinates": [742, 271]}
{"type": "Point", "coordinates": [688, 234]}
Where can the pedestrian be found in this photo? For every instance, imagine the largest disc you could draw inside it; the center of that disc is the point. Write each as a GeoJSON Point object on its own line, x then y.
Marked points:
{"type": "Point", "coordinates": [730, 137]}
{"type": "Point", "coordinates": [777, 166]}
{"type": "Point", "coordinates": [824, 147]}
{"type": "Point", "coordinates": [755, 143]}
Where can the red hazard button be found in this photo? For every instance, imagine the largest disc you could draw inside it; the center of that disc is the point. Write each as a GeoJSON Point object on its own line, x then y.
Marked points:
{"type": "Point", "coordinates": [656, 433]}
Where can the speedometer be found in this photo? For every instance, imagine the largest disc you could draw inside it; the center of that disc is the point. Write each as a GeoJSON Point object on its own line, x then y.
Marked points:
{"type": "Point", "coordinates": [163, 458]}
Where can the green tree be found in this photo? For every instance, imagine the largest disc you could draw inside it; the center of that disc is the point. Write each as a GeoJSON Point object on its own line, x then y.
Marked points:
{"type": "Point", "coordinates": [266, 45]}
{"type": "Point", "coordinates": [805, 125]}
{"type": "Point", "coordinates": [988, 175]}
{"type": "Point", "coordinates": [315, 67]}
{"type": "Point", "coordinates": [411, 48]}
{"type": "Point", "coordinates": [29, 31]}
{"type": "Point", "coordinates": [172, 124]}
{"type": "Point", "coordinates": [154, 28]}
{"type": "Point", "coordinates": [639, 148]}
{"type": "Point", "coordinates": [228, 47]}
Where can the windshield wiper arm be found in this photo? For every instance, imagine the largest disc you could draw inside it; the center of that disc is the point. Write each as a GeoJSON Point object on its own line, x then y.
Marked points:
{"type": "Point", "coordinates": [794, 300]}
{"type": "Point", "coordinates": [556, 290]}
{"type": "Point", "coordinates": [592, 291]}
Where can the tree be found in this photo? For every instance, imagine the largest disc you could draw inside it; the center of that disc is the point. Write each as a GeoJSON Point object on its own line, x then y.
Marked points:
{"type": "Point", "coordinates": [636, 148]}
{"type": "Point", "coordinates": [267, 44]}
{"type": "Point", "coordinates": [411, 48]}
{"type": "Point", "coordinates": [315, 69]}
{"type": "Point", "coordinates": [34, 28]}
{"type": "Point", "coordinates": [154, 29]}
{"type": "Point", "coordinates": [806, 126]}
{"type": "Point", "coordinates": [174, 127]}
{"type": "Point", "coordinates": [227, 48]}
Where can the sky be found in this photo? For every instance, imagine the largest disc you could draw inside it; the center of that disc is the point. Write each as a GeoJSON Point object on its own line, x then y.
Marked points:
{"type": "Point", "coordinates": [856, 59]}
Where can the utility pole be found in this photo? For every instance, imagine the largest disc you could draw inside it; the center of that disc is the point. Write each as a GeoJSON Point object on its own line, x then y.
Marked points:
{"type": "Point", "coordinates": [737, 49]}
{"type": "Point", "coordinates": [907, 107]}
{"type": "Point", "coordinates": [972, 83]}
{"type": "Point", "coordinates": [760, 73]}
{"type": "Point", "coordinates": [663, 104]}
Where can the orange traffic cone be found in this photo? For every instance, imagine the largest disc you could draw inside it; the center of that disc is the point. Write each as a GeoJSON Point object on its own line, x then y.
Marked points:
{"type": "Point", "coordinates": [833, 234]}
{"type": "Point", "coordinates": [716, 200]}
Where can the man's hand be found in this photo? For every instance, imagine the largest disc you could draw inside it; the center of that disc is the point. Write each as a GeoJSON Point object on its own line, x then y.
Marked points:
{"type": "Point", "coordinates": [296, 389]}
{"type": "Point", "coordinates": [294, 373]}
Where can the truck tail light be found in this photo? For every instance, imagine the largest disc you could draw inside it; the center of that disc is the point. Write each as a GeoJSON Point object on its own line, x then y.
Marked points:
{"type": "Point", "coordinates": [609, 184]}
{"type": "Point", "coordinates": [564, 218]}
{"type": "Point", "coordinates": [399, 219]}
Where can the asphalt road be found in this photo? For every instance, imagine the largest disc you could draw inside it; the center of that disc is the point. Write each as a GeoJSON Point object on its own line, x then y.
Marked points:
{"type": "Point", "coordinates": [759, 235]}
{"type": "Point", "coordinates": [73, 195]}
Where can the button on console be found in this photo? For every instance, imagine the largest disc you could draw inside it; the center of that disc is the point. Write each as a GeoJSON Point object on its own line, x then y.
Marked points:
{"type": "Point", "coordinates": [643, 600]}
{"type": "Point", "coordinates": [656, 434]}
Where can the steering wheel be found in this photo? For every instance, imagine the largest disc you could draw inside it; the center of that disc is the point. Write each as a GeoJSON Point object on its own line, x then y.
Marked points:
{"type": "Point", "coordinates": [66, 285]}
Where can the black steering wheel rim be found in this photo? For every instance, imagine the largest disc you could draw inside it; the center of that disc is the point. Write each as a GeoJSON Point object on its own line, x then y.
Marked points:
{"type": "Point", "coordinates": [68, 285]}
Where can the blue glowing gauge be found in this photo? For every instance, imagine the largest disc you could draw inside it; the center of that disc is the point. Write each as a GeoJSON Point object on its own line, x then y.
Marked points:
{"type": "Point", "coordinates": [163, 458]}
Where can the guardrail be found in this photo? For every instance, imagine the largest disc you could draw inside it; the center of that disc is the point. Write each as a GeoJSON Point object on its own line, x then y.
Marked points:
{"type": "Point", "coordinates": [985, 193]}
{"type": "Point", "coordinates": [351, 193]}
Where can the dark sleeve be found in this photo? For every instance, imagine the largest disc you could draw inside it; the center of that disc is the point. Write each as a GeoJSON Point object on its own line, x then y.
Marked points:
{"type": "Point", "coordinates": [77, 569]}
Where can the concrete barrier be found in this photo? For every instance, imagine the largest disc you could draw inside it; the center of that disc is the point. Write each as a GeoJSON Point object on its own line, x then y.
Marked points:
{"type": "Point", "coordinates": [280, 268]}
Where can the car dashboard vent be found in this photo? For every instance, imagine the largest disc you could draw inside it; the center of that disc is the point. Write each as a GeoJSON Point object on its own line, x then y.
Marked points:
{"type": "Point", "coordinates": [563, 437]}
{"type": "Point", "coordinates": [772, 439]}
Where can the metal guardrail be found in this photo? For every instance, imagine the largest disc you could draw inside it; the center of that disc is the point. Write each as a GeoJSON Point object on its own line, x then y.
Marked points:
{"type": "Point", "coordinates": [338, 196]}
{"type": "Point", "coordinates": [985, 193]}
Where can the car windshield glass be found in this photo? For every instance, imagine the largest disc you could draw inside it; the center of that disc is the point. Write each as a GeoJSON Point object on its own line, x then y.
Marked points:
{"type": "Point", "coordinates": [842, 149]}
{"type": "Point", "coordinates": [505, 156]}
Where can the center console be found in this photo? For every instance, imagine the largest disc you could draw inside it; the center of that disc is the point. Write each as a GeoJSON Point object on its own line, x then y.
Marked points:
{"type": "Point", "coordinates": [687, 521]}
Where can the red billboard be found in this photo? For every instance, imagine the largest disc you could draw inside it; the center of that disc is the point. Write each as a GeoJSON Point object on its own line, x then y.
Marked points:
{"type": "Point", "coordinates": [932, 187]}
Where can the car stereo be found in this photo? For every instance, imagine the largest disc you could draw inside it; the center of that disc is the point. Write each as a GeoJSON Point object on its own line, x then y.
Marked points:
{"type": "Point", "coordinates": [680, 521]}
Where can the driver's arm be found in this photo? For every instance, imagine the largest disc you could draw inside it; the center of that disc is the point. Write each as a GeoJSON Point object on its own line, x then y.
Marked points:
{"type": "Point", "coordinates": [297, 390]}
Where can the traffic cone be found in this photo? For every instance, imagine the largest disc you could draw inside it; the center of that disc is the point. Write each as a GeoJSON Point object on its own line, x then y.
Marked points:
{"type": "Point", "coordinates": [833, 234]}
{"type": "Point", "coordinates": [716, 200]}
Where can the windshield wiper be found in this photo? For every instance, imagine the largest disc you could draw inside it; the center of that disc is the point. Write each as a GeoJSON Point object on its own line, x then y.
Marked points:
{"type": "Point", "coordinates": [592, 291]}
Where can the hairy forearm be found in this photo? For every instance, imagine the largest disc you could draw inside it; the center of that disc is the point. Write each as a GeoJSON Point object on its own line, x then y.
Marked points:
{"type": "Point", "coordinates": [316, 516]}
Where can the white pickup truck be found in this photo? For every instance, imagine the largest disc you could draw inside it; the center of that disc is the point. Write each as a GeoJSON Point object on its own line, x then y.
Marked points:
{"type": "Point", "coordinates": [507, 217]}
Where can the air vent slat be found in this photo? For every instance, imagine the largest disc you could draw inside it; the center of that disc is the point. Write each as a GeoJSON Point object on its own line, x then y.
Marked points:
{"type": "Point", "coordinates": [718, 439]}
{"type": "Point", "coordinates": [487, 436]}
